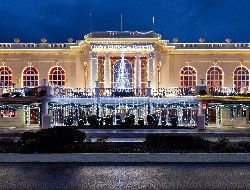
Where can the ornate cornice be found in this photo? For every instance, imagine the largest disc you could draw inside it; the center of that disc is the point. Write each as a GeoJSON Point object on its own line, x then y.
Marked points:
{"type": "Point", "coordinates": [209, 51]}
{"type": "Point", "coordinates": [36, 52]}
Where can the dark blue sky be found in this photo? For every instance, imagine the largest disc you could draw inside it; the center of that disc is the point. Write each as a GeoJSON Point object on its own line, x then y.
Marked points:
{"type": "Point", "coordinates": [188, 20]}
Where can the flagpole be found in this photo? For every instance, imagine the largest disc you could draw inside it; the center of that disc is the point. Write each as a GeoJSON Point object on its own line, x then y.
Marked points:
{"type": "Point", "coordinates": [90, 23]}
{"type": "Point", "coordinates": [121, 22]}
{"type": "Point", "coordinates": [153, 24]}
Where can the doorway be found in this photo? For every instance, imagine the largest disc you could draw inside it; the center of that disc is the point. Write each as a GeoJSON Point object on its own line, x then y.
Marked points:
{"type": "Point", "coordinates": [34, 115]}
{"type": "Point", "coordinates": [212, 115]}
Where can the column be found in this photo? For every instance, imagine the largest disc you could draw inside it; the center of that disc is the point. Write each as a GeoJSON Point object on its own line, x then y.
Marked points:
{"type": "Point", "coordinates": [45, 115]}
{"type": "Point", "coordinates": [149, 89]}
{"type": "Point", "coordinates": [151, 56]}
{"type": "Point", "coordinates": [201, 117]}
{"type": "Point", "coordinates": [80, 70]}
{"type": "Point", "coordinates": [107, 73]}
{"type": "Point", "coordinates": [165, 72]}
{"type": "Point", "coordinates": [94, 69]}
{"type": "Point", "coordinates": [137, 71]}
{"type": "Point", "coordinates": [45, 107]}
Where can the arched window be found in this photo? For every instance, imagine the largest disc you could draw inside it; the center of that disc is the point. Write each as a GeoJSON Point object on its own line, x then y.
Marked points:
{"type": "Point", "coordinates": [30, 76]}
{"type": "Point", "coordinates": [57, 76]}
{"type": "Point", "coordinates": [188, 77]}
{"type": "Point", "coordinates": [215, 76]}
{"type": "Point", "coordinates": [122, 74]}
{"type": "Point", "coordinates": [5, 76]}
{"type": "Point", "coordinates": [241, 77]}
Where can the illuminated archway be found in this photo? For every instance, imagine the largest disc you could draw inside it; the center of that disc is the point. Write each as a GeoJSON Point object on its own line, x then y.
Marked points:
{"type": "Point", "coordinates": [188, 77]}
{"type": "Point", "coordinates": [57, 76]}
{"type": "Point", "coordinates": [30, 76]}
{"type": "Point", "coordinates": [5, 76]}
{"type": "Point", "coordinates": [241, 77]}
{"type": "Point", "coordinates": [215, 77]}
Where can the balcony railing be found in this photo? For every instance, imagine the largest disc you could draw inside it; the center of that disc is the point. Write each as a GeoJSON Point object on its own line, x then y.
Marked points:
{"type": "Point", "coordinates": [112, 92]}
{"type": "Point", "coordinates": [66, 92]}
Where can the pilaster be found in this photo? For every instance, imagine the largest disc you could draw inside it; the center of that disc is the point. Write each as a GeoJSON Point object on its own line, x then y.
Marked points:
{"type": "Point", "coordinates": [94, 69]}
{"type": "Point", "coordinates": [137, 71]}
{"type": "Point", "coordinates": [107, 71]}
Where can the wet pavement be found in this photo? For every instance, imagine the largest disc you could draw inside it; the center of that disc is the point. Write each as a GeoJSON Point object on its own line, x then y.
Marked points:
{"type": "Point", "coordinates": [124, 176]}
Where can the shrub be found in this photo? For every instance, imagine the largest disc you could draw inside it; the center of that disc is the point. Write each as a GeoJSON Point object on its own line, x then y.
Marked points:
{"type": "Point", "coordinates": [42, 93]}
{"type": "Point", "coordinates": [244, 146]}
{"type": "Point", "coordinates": [93, 120]}
{"type": "Point", "coordinates": [174, 121]}
{"type": "Point", "coordinates": [118, 119]}
{"type": "Point", "coordinates": [27, 136]}
{"type": "Point", "coordinates": [68, 121]}
{"type": "Point", "coordinates": [7, 142]}
{"type": "Point", "coordinates": [129, 120]}
{"type": "Point", "coordinates": [152, 120]}
{"type": "Point", "coordinates": [176, 142]}
{"type": "Point", "coordinates": [163, 121]}
{"type": "Point", "coordinates": [141, 122]}
{"type": "Point", "coordinates": [82, 120]}
{"type": "Point", "coordinates": [30, 147]}
{"type": "Point", "coordinates": [52, 139]}
{"type": "Point", "coordinates": [223, 145]}
{"type": "Point", "coordinates": [109, 120]}
{"type": "Point", "coordinates": [16, 94]}
{"type": "Point", "coordinates": [29, 93]}
{"type": "Point", "coordinates": [203, 93]}
{"type": "Point", "coordinates": [6, 95]}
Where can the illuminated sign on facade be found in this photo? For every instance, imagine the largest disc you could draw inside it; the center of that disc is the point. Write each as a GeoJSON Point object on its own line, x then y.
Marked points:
{"type": "Point", "coordinates": [122, 47]}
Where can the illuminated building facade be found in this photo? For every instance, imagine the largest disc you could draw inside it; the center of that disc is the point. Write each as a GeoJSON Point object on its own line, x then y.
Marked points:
{"type": "Point", "coordinates": [157, 77]}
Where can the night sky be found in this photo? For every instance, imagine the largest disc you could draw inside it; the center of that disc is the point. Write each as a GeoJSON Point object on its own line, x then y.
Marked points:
{"type": "Point", "coordinates": [188, 20]}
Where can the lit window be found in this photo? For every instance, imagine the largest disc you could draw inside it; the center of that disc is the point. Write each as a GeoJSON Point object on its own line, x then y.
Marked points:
{"type": "Point", "coordinates": [30, 76]}
{"type": "Point", "coordinates": [214, 76]}
{"type": "Point", "coordinates": [9, 113]}
{"type": "Point", "coordinates": [188, 77]}
{"type": "Point", "coordinates": [57, 76]}
{"type": "Point", "coordinates": [5, 76]}
{"type": "Point", "coordinates": [241, 77]}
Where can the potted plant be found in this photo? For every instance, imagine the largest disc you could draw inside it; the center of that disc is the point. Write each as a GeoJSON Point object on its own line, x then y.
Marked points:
{"type": "Point", "coordinates": [163, 121]}
{"type": "Point", "coordinates": [152, 120]}
{"type": "Point", "coordinates": [93, 120]}
{"type": "Point", "coordinates": [129, 120]}
{"type": "Point", "coordinates": [141, 122]}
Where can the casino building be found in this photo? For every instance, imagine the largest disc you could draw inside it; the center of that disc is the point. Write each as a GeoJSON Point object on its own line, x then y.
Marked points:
{"type": "Point", "coordinates": [121, 73]}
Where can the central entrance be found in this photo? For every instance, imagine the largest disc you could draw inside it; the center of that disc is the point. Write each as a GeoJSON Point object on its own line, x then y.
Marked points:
{"type": "Point", "coordinates": [122, 74]}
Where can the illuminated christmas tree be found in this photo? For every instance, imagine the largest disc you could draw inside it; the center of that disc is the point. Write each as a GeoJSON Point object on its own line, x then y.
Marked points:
{"type": "Point", "coordinates": [122, 81]}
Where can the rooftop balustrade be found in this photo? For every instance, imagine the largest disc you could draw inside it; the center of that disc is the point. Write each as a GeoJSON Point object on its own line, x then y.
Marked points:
{"type": "Point", "coordinates": [36, 45]}
{"type": "Point", "coordinates": [211, 45]}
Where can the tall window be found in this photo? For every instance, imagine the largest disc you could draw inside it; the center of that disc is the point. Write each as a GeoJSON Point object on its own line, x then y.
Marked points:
{"type": "Point", "coordinates": [144, 74]}
{"type": "Point", "coordinates": [122, 75]}
{"type": "Point", "coordinates": [57, 76]}
{"type": "Point", "coordinates": [241, 77]}
{"type": "Point", "coordinates": [188, 77]}
{"type": "Point", "coordinates": [214, 76]}
{"type": "Point", "coordinates": [5, 76]}
{"type": "Point", "coordinates": [30, 76]}
{"type": "Point", "coordinates": [101, 72]}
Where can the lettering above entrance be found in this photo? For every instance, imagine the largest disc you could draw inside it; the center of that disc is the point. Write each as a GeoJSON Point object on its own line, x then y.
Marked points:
{"type": "Point", "coordinates": [133, 47]}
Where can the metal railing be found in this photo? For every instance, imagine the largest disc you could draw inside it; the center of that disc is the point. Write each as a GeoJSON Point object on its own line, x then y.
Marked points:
{"type": "Point", "coordinates": [66, 92]}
